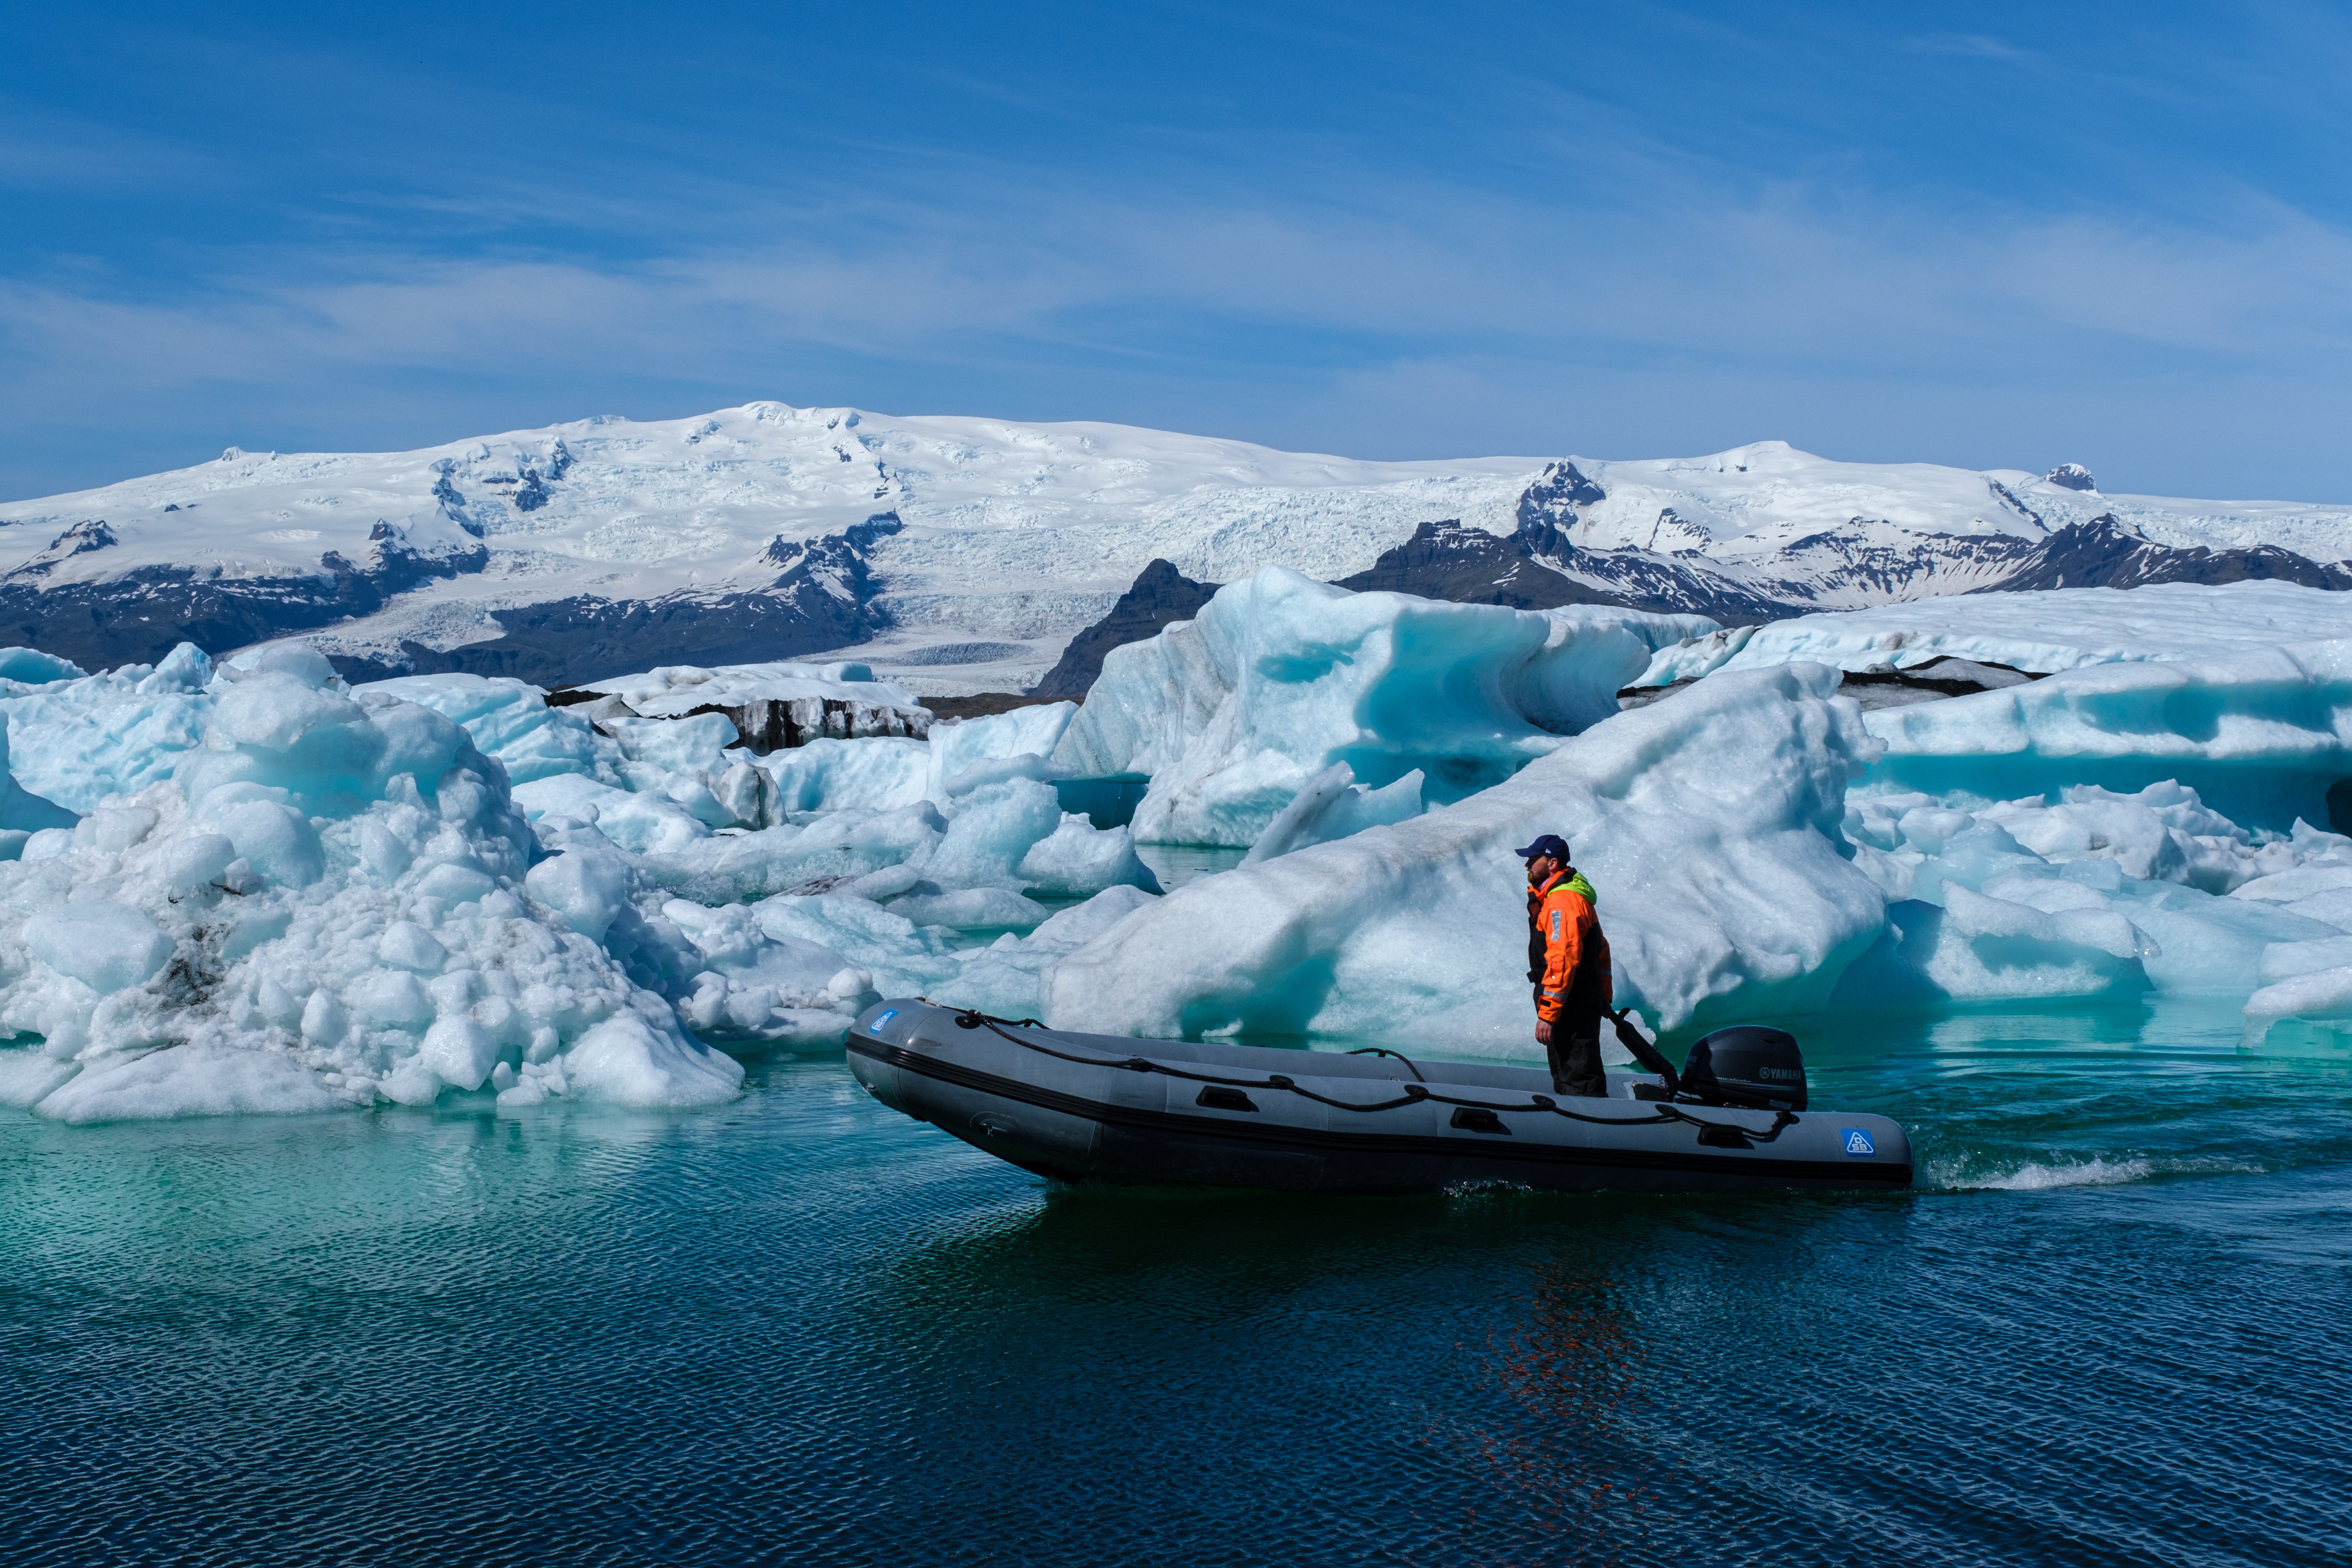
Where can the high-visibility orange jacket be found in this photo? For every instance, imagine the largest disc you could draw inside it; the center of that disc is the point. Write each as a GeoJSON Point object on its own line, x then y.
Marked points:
{"type": "Point", "coordinates": [1574, 973]}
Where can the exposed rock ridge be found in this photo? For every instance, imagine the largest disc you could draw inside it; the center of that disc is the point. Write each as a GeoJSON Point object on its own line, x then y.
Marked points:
{"type": "Point", "coordinates": [2105, 553]}
{"type": "Point", "coordinates": [139, 617]}
{"type": "Point", "coordinates": [822, 599]}
{"type": "Point", "coordinates": [1160, 595]}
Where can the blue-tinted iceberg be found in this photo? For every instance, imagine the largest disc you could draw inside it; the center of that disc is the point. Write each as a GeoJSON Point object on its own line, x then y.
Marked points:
{"type": "Point", "coordinates": [2060, 629]}
{"type": "Point", "coordinates": [1280, 678]}
{"type": "Point", "coordinates": [2261, 735]}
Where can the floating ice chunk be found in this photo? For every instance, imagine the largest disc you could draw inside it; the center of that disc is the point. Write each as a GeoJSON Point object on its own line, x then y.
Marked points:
{"type": "Point", "coordinates": [458, 1052]}
{"type": "Point", "coordinates": [21, 811]}
{"type": "Point", "coordinates": [2302, 882]}
{"type": "Point", "coordinates": [2320, 999]}
{"type": "Point", "coordinates": [198, 1078]}
{"type": "Point", "coordinates": [298, 661]}
{"type": "Point", "coordinates": [105, 946]}
{"type": "Point", "coordinates": [1005, 979]}
{"type": "Point", "coordinates": [31, 667]}
{"type": "Point", "coordinates": [780, 990]}
{"type": "Point", "coordinates": [898, 956]}
{"type": "Point", "coordinates": [1280, 677]}
{"type": "Point", "coordinates": [631, 1059]}
{"type": "Point", "coordinates": [971, 909]}
{"type": "Point", "coordinates": [640, 824]}
{"type": "Point", "coordinates": [77, 740]}
{"type": "Point", "coordinates": [276, 840]}
{"type": "Point", "coordinates": [588, 882]}
{"type": "Point", "coordinates": [1333, 805]}
{"type": "Point", "coordinates": [2057, 629]}
{"type": "Point", "coordinates": [814, 857]}
{"type": "Point", "coordinates": [879, 773]}
{"type": "Point", "coordinates": [510, 721]}
{"type": "Point", "coordinates": [675, 690]}
{"type": "Point", "coordinates": [884, 772]}
{"type": "Point", "coordinates": [994, 829]}
{"type": "Point", "coordinates": [695, 745]}
{"type": "Point", "coordinates": [2260, 735]}
{"type": "Point", "coordinates": [1034, 730]}
{"type": "Point", "coordinates": [1711, 833]}
{"type": "Point", "coordinates": [1980, 948]}
{"type": "Point", "coordinates": [2285, 960]}
{"type": "Point", "coordinates": [317, 909]}
{"type": "Point", "coordinates": [1078, 857]}
{"type": "Point", "coordinates": [1002, 770]}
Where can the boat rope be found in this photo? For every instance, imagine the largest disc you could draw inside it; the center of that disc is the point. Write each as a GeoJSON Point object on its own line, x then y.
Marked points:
{"type": "Point", "coordinates": [1414, 1093]}
{"type": "Point", "coordinates": [1381, 1051]}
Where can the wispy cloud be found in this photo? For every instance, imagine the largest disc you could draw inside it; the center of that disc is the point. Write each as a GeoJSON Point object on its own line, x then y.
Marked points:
{"type": "Point", "coordinates": [1969, 46]}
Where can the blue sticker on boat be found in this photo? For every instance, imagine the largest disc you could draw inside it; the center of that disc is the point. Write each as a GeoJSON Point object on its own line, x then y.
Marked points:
{"type": "Point", "coordinates": [1857, 1141]}
{"type": "Point", "coordinates": [882, 1021]}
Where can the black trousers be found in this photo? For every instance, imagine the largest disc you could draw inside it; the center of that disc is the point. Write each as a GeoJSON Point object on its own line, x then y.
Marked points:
{"type": "Point", "coordinates": [1575, 1054]}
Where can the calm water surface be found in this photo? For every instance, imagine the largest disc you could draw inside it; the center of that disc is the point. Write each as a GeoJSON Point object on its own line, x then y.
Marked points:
{"type": "Point", "coordinates": [2111, 1328]}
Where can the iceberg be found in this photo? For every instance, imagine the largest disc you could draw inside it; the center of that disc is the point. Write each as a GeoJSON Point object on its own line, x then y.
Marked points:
{"type": "Point", "coordinates": [880, 773]}
{"type": "Point", "coordinates": [2092, 894]}
{"type": "Point", "coordinates": [510, 720]}
{"type": "Point", "coordinates": [1710, 826]}
{"type": "Point", "coordinates": [326, 902]}
{"type": "Point", "coordinates": [2048, 630]}
{"type": "Point", "coordinates": [2263, 736]}
{"type": "Point", "coordinates": [1280, 678]}
{"type": "Point", "coordinates": [76, 740]}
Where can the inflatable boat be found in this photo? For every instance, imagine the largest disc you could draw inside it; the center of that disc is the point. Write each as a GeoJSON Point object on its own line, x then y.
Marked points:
{"type": "Point", "coordinates": [1098, 1108]}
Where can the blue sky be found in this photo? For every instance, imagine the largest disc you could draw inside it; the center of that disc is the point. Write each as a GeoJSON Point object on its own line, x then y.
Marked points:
{"type": "Point", "coordinates": [1990, 235]}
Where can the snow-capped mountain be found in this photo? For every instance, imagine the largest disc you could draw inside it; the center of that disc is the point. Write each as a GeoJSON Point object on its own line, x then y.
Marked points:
{"type": "Point", "coordinates": [964, 553]}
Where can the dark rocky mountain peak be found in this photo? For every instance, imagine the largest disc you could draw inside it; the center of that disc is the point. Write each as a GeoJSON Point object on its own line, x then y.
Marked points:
{"type": "Point", "coordinates": [1161, 595]}
{"type": "Point", "coordinates": [2072, 477]}
{"type": "Point", "coordinates": [2103, 553]}
{"type": "Point", "coordinates": [80, 540]}
{"type": "Point", "coordinates": [1552, 499]}
{"type": "Point", "coordinates": [824, 599]}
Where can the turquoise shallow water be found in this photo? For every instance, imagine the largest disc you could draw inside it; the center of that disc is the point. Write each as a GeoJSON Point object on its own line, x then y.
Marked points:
{"type": "Point", "coordinates": [2110, 1330]}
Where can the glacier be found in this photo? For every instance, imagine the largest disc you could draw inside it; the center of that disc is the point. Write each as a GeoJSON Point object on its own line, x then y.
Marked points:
{"type": "Point", "coordinates": [960, 554]}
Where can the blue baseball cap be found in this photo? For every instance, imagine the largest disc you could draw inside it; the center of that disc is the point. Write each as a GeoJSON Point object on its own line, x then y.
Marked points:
{"type": "Point", "coordinates": [1547, 844]}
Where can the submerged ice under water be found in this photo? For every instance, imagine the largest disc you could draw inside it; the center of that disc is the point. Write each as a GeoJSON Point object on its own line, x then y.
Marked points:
{"type": "Point", "coordinates": [801, 1327]}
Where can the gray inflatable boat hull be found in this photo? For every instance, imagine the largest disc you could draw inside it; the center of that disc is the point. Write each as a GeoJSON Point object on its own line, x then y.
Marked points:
{"type": "Point", "coordinates": [1018, 1093]}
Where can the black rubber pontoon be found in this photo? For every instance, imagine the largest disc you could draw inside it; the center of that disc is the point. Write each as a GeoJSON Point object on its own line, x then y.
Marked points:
{"type": "Point", "coordinates": [1102, 1108]}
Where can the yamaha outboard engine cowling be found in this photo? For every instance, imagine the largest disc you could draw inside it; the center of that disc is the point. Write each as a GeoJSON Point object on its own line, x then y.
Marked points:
{"type": "Point", "coordinates": [1748, 1066]}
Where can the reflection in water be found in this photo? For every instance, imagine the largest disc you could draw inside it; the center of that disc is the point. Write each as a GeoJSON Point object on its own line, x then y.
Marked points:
{"type": "Point", "coordinates": [1567, 1364]}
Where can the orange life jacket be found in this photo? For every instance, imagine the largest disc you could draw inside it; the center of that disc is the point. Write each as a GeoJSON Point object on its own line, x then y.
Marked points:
{"type": "Point", "coordinates": [1567, 956]}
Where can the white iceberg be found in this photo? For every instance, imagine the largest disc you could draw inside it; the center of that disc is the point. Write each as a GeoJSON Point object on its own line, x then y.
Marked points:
{"type": "Point", "coordinates": [510, 720]}
{"type": "Point", "coordinates": [323, 904]}
{"type": "Point", "coordinates": [1710, 826]}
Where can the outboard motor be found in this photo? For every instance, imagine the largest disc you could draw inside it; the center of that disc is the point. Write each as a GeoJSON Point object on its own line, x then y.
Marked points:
{"type": "Point", "coordinates": [1746, 1066]}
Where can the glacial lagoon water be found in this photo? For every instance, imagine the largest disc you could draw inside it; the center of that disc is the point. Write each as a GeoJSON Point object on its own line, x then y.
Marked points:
{"type": "Point", "coordinates": [2109, 1327]}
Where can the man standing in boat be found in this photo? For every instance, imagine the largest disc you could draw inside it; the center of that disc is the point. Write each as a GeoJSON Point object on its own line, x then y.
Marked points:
{"type": "Point", "coordinates": [1567, 963]}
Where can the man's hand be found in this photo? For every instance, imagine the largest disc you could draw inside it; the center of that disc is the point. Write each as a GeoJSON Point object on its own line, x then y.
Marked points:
{"type": "Point", "coordinates": [1543, 1033]}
